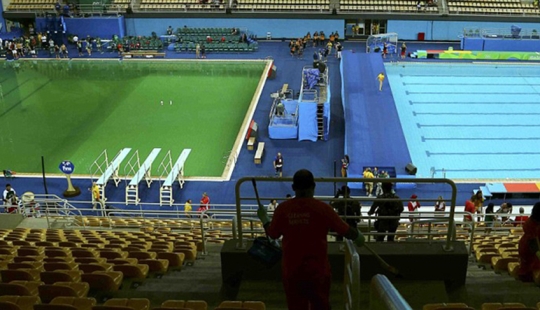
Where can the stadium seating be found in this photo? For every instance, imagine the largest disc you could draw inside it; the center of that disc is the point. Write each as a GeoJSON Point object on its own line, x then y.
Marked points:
{"type": "Point", "coordinates": [22, 302]}
{"type": "Point", "coordinates": [188, 304]}
{"type": "Point", "coordinates": [133, 303]}
{"type": "Point", "coordinates": [389, 6]}
{"type": "Point", "coordinates": [253, 305]}
{"type": "Point", "coordinates": [74, 302]}
{"type": "Point", "coordinates": [446, 306]}
{"type": "Point", "coordinates": [283, 5]}
{"type": "Point", "coordinates": [48, 292]}
{"type": "Point", "coordinates": [491, 7]}
{"type": "Point", "coordinates": [29, 5]}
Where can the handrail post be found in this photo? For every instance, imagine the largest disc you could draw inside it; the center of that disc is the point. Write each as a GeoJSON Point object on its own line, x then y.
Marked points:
{"type": "Point", "coordinates": [203, 236]}
{"type": "Point", "coordinates": [234, 234]}
{"type": "Point", "coordinates": [240, 244]}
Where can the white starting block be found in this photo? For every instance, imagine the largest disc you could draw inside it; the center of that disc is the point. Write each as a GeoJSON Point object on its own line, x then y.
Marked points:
{"type": "Point", "coordinates": [111, 171]}
{"type": "Point", "coordinates": [144, 172]}
{"type": "Point", "coordinates": [176, 173]}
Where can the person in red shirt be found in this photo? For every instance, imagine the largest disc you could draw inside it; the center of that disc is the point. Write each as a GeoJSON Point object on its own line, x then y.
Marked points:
{"type": "Point", "coordinates": [469, 207]}
{"type": "Point", "coordinates": [204, 204]}
{"type": "Point", "coordinates": [529, 246]}
{"type": "Point", "coordinates": [521, 218]}
{"type": "Point", "coordinates": [304, 223]}
{"type": "Point", "coordinates": [413, 206]}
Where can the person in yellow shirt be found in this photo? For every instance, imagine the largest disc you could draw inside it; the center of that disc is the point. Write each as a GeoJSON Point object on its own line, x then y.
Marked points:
{"type": "Point", "coordinates": [188, 208]}
{"type": "Point", "coordinates": [380, 77]}
{"type": "Point", "coordinates": [96, 195]}
{"type": "Point", "coordinates": [369, 185]}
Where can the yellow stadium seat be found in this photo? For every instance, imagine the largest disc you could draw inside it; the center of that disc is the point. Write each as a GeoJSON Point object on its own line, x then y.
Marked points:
{"type": "Point", "coordinates": [20, 288]}
{"type": "Point", "coordinates": [134, 303]}
{"type": "Point", "coordinates": [104, 281]}
{"type": "Point", "coordinates": [189, 304]}
{"type": "Point", "coordinates": [22, 302]}
{"type": "Point", "coordinates": [85, 303]}
{"type": "Point", "coordinates": [48, 292]}
{"type": "Point", "coordinates": [445, 306]}
{"type": "Point", "coordinates": [20, 275]}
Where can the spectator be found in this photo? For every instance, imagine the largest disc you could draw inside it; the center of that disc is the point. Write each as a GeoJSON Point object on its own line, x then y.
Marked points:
{"type": "Point", "coordinates": [386, 227]}
{"type": "Point", "coordinates": [419, 6]}
{"type": "Point", "coordinates": [315, 39]}
{"type": "Point", "coordinates": [479, 204]}
{"type": "Point", "coordinates": [188, 208]}
{"type": "Point", "coordinates": [203, 51]}
{"type": "Point", "coordinates": [278, 164]}
{"type": "Point", "coordinates": [304, 223]}
{"type": "Point", "coordinates": [529, 246]}
{"type": "Point", "coordinates": [403, 50]}
{"type": "Point", "coordinates": [347, 208]}
{"type": "Point", "coordinates": [96, 195]}
{"type": "Point", "coordinates": [64, 51]}
{"type": "Point", "coordinates": [169, 31]}
{"type": "Point", "coordinates": [440, 206]}
{"type": "Point", "coordinates": [9, 195]}
{"type": "Point", "coordinates": [272, 205]}
{"type": "Point", "coordinates": [80, 48]}
{"type": "Point", "coordinates": [339, 49]}
{"type": "Point", "coordinates": [209, 39]}
{"type": "Point", "coordinates": [469, 207]}
{"type": "Point", "coordinates": [384, 50]}
{"type": "Point", "coordinates": [521, 218]}
{"type": "Point", "coordinates": [204, 204]}
{"type": "Point", "coordinates": [345, 166]}
{"type": "Point", "coordinates": [198, 51]}
{"type": "Point", "coordinates": [369, 185]}
{"type": "Point", "coordinates": [504, 210]}
{"type": "Point", "coordinates": [490, 217]}
{"type": "Point", "coordinates": [89, 45]}
{"type": "Point", "coordinates": [413, 207]}
{"type": "Point", "coordinates": [378, 189]}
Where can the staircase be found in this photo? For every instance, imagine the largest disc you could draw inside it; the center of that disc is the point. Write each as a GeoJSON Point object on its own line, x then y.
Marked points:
{"type": "Point", "coordinates": [321, 99]}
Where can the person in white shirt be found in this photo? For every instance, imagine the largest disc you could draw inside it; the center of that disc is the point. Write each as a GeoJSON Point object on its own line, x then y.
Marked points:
{"type": "Point", "coordinates": [9, 195]}
{"type": "Point", "coordinates": [272, 205]}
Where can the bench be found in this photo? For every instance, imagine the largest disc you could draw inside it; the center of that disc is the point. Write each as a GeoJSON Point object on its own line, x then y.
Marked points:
{"type": "Point", "coordinates": [112, 171]}
{"type": "Point", "coordinates": [259, 153]}
{"type": "Point", "coordinates": [134, 54]}
{"type": "Point", "coordinates": [176, 173]}
{"type": "Point", "coordinates": [132, 190]}
{"type": "Point", "coordinates": [251, 143]}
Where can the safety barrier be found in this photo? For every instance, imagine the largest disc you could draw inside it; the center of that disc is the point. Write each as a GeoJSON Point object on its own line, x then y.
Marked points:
{"type": "Point", "coordinates": [383, 295]}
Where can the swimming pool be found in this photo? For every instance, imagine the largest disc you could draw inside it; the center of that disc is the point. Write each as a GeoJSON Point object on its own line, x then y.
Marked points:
{"type": "Point", "coordinates": [470, 121]}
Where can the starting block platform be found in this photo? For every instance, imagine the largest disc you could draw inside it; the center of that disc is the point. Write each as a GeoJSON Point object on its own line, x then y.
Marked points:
{"type": "Point", "coordinates": [111, 171]}
{"type": "Point", "coordinates": [144, 172]}
{"type": "Point", "coordinates": [175, 173]}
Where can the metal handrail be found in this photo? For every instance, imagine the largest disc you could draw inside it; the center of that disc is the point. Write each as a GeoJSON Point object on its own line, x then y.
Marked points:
{"type": "Point", "coordinates": [384, 296]}
{"type": "Point", "coordinates": [351, 278]}
{"type": "Point", "coordinates": [239, 198]}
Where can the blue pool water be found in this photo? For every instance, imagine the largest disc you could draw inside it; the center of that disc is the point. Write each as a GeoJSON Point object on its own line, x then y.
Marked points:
{"type": "Point", "coordinates": [475, 121]}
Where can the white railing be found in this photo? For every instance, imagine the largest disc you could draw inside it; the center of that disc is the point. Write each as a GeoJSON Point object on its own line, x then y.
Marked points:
{"type": "Point", "coordinates": [351, 278]}
{"type": "Point", "coordinates": [384, 296]}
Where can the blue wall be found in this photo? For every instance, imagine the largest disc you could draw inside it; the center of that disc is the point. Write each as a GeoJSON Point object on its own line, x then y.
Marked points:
{"type": "Point", "coordinates": [279, 28]}
{"type": "Point", "coordinates": [444, 30]}
{"type": "Point", "coordinates": [104, 27]}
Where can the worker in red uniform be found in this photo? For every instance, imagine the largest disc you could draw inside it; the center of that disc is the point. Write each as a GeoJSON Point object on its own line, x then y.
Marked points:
{"type": "Point", "coordinates": [304, 223]}
{"type": "Point", "coordinates": [469, 207]}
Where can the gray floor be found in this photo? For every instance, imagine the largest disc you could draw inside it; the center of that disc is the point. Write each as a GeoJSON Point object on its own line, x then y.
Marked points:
{"type": "Point", "coordinates": [202, 281]}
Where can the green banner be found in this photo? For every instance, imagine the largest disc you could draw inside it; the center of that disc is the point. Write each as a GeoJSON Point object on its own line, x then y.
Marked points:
{"type": "Point", "coordinates": [484, 55]}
